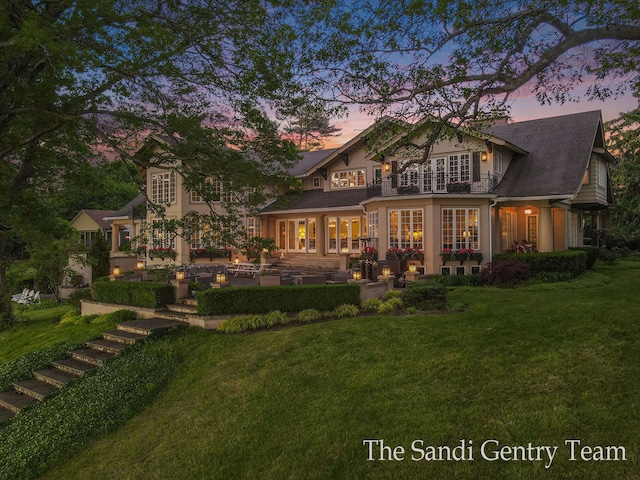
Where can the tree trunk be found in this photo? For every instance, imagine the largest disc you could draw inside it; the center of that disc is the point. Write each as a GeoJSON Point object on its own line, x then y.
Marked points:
{"type": "Point", "coordinates": [6, 308]}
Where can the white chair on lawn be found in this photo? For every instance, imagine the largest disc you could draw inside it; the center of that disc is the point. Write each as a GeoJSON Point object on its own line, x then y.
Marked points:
{"type": "Point", "coordinates": [19, 297]}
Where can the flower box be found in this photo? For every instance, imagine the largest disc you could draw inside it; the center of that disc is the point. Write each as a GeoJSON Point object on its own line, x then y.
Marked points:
{"type": "Point", "coordinates": [408, 189]}
{"type": "Point", "coordinates": [461, 257]}
{"type": "Point", "coordinates": [458, 187]}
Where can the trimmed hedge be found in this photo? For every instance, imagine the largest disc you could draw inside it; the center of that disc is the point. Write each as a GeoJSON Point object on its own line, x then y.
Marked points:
{"type": "Point", "coordinates": [235, 300]}
{"type": "Point", "coordinates": [592, 255]}
{"type": "Point", "coordinates": [137, 294]}
{"type": "Point", "coordinates": [425, 296]}
{"type": "Point", "coordinates": [570, 261]}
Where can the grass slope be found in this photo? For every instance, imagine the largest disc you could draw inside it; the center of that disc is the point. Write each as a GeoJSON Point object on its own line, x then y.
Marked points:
{"type": "Point", "coordinates": [518, 366]}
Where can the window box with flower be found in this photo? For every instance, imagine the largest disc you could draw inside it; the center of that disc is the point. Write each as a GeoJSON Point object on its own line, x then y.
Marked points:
{"type": "Point", "coordinates": [462, 255]}
{"type": "Point", "coordinates": [162, 253]}
{"type": "Point", "coordinates": [408, 189]}
{"type": "Point", "coordinates": [369, 253]}
{"type": "Point", "coordinates": [459, 187]}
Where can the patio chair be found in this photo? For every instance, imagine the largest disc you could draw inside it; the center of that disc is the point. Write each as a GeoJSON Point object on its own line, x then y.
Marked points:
{"type": "Point", "coordinates": [19, 297]}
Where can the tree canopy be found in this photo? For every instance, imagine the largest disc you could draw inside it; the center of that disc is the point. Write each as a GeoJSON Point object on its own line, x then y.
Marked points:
{"type": "Point", "coordinates": [80, 77]}
{"type": "Point", "coordinates": [463, 60]}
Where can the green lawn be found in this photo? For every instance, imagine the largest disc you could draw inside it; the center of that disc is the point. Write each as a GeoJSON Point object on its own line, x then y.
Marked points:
{"type": "Point", "coordinates": [518, 366]}
{"type": "Point", "coordinates": [38, 329]}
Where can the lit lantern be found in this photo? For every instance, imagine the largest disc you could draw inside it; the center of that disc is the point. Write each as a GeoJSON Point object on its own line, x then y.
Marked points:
{"type": "Point", "coordinates": [116, 270]}
{"type": "Point", "coordinates": [344, 250]}
{"type": "Point", "coordinates": [357, 275]}
{"type": "Point", "coordinates": [527, 211]}
{"type": "Point", "coordinates": [139, 265]}
{"type": "Point", "coordinates": [412, 269]}
{"type": "Point", "coordinates": [236, 260]}
{"type": "Point", "coordinates": [221, 278]}
{"type": "Point", "coordinates": [386, 271]}
{"type": "Point", "coordinates": [180, 275]}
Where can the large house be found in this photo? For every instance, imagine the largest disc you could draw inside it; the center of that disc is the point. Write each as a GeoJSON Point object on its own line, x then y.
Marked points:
{"type": "Point", "coordinates": [532, 184]}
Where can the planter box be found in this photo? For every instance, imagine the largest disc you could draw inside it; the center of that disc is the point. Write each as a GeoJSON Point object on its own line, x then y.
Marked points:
{"type": "Point", "coordinates": [397, 266]}
{"type": "Point", "coordinates": [408, 190]}
{"type": "Point", "coordinates": [454, 257]}
{"type": "Point", "coordinates": [458, 187]}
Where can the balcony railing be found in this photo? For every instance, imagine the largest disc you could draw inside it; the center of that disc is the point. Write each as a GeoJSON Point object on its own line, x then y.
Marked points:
{"type": "Point", "coordinates": [434, 183]}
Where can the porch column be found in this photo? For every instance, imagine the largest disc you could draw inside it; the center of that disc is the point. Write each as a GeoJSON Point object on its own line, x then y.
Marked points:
{"type": "Point", "coordinates": [545, 229]}
{"type": "Point", "coordinates": [115, 237]}
{"type": "Point", "coordinates": [321, 248]}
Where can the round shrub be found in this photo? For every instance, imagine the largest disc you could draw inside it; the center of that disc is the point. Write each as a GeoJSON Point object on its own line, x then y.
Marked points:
{"type": "Point", "coordinates": [505, 273]}
{"type": "Point", "coordinates": [346, 310]}
{"type": "Point", "coordinates": [425, 296]}
{"type": "Point", "coordinates": [371, 305]}
{"type": "Point", "coordinates": [309, 315]}
{"type": "Point", "coordinates": [276, 318]}
{"type": "Point", "coordinates": [391, 294]}
{"type": "Point", "coordinates": [390, 306]}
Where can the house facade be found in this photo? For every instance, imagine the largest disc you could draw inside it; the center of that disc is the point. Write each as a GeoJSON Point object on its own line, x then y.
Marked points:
{"type": "Point", "coordinates": [529, 185]}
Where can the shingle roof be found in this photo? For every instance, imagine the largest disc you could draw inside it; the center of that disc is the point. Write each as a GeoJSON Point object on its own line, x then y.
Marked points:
{"type": "Point", "coordinates": [559, 152]}
{"type": "Point", "coordinates": [317, 199]}
{"type": "Point", "coordinates": [128, 209]}
{"type": "Point", "coordinates": [309, 159]}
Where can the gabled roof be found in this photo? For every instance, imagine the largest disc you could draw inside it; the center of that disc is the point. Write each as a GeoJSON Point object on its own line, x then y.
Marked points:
{"type": "Point", "coordinates": [559, 150]}
{"type": "Point", "coordinates": [129, 209]}
{"type": "Point", "coordinates": [97, 216]}
{"type": "Point", "coordinates": [319, 199]}
{"type": "Point", "coordinates": [309, 161]}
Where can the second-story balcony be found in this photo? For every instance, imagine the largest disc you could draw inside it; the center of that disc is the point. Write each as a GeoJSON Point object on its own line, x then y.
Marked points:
{"type": "Point", "coordinates": [431, 183]}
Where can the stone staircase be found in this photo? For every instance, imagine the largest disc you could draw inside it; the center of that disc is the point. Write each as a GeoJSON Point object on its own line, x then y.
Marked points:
{"type": "Point", "coordinates": [48, 381]}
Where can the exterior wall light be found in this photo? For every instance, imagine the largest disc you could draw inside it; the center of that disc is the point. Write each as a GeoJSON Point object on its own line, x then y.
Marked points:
{"type": "Point", "coordinates": [139, 265]}
{"type": "Point", "coordinates": [180, 275]}
{"type": "Point", "coordinates": [527, 211]}
{"type": "Point", "coordinates": [116, 270]}
{"type": "Point", "coordinates": [412, 268]}
{"type": "Point", "coordinates": [484, 156]}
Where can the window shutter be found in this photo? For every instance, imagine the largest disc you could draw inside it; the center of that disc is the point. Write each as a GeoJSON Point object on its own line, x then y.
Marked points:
{"type": "Point", "coordinates": [394, 174]}
{"type": "Point", "coordinates": [476, 166]}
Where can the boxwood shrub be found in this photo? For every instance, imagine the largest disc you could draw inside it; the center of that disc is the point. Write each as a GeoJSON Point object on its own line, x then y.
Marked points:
{"type": "Point", "coordinates": [592, 255]}
{"type": "Point", "coordinates": [235, 300]}
{"type": "Point", "coordinates": [137, 294]}
{"type": "Point", "coordinates": [571, 261]}
{"type": "Point", "coordinates": [425, 296]}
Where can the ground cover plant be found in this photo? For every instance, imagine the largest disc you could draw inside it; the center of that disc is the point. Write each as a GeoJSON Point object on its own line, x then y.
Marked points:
{"type": "Point", "coordinates": [83, 410]}
{"type": "Point", "coordinates": [518, 366]}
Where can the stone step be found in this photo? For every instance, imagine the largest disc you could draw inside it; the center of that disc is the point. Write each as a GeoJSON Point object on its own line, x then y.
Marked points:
{"type": "Point", "coordinates": [34, 388]}
{"type": "Point", "coordinates": [54, 376]}
{"type": "Point", "coordinates": [105, 345]}
{"type": "Point", "coordinates": [73, 366]}
{"type": "Point", "coordinates": [5, 414]}
{"type": "Point", "coordinates": [122, 336]}
{"type": "Point", "coordinates": [172, 316]}
{"type": "Point", "coordinates": [15, 401]}
{"type": "Point", "coordinates": [182, 308]}
{"type": "Point", "coordinates": [150, 325]}
{"type": "Point", "coordinates": [89, 355]}
{"type": "Point", "coordinates": [190, 301]}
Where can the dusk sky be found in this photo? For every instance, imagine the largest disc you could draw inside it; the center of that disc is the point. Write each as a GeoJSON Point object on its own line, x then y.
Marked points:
{"type": "Point", "coordinates": [523, 107]}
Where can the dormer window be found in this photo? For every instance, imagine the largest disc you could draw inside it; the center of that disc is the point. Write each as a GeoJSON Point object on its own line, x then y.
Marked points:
{"type": "Point", "coordinates": [348, 179]}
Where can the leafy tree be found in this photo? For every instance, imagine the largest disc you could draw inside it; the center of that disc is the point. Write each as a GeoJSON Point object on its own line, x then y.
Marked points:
{"type": "Point", "coordinates": [98, 256]}
{"type": "Point", "coordinates": [83, 76]}
{"type": "Point", "coordinates": [461, 61]}
{"type": "Point", "coordinates": [624, 141]}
